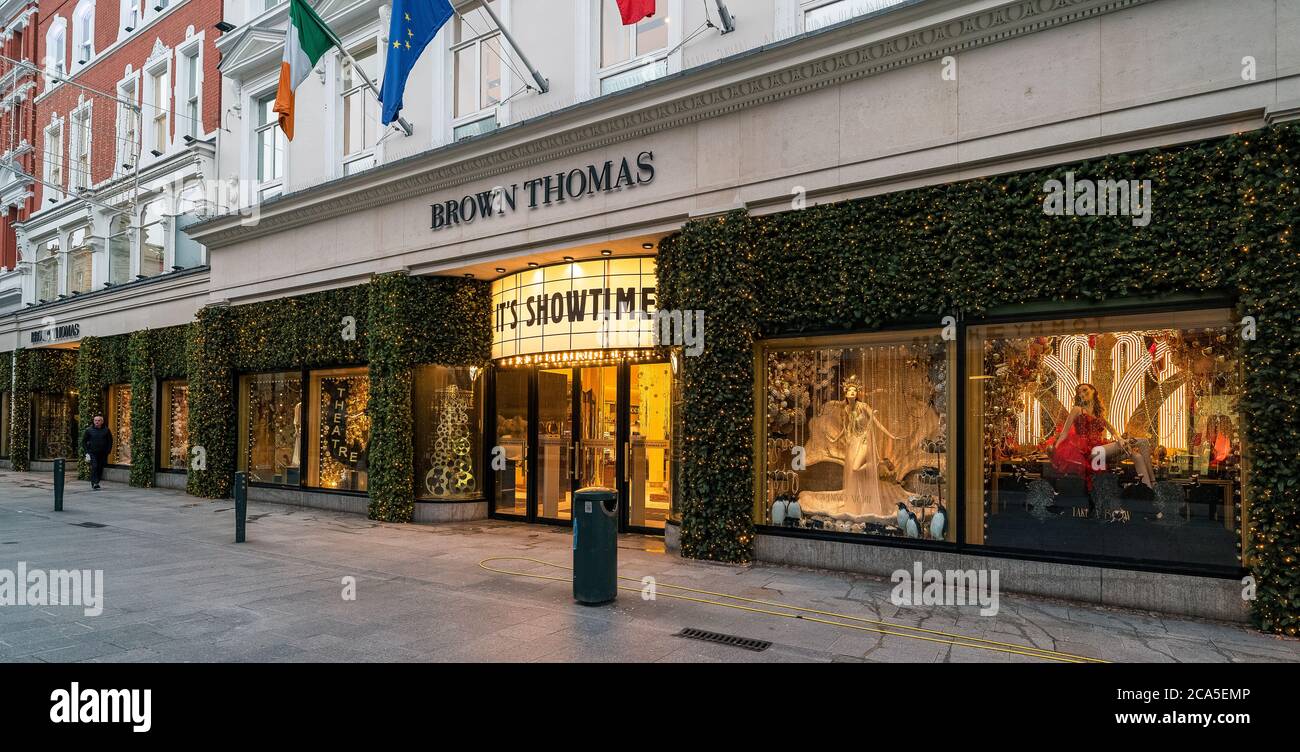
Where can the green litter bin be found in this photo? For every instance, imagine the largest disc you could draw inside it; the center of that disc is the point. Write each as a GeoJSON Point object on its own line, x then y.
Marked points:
{"type": "Point", "coordinates": [595, 546]}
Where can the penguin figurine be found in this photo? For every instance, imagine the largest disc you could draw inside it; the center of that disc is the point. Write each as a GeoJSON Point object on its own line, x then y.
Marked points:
{"type": "Point", "coordinates": [902, 516]}
{"type": "Point", "coordinates": [939, 523]}
{"type": "Point", "coordinates": [913, 529]}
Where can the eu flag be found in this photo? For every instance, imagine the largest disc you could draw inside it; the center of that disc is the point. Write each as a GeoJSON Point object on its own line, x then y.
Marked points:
{"type": "Point", "coordinates": [414, 24]}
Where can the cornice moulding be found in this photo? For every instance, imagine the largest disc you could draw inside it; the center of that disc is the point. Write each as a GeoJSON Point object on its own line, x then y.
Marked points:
{"type": "Point", "coordinates": [456, 164]}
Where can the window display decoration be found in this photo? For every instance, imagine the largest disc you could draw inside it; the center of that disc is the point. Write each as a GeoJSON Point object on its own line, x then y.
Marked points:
{"type": "Point", "coordinates": [963, 249]}
{"type": "Point", "coordinates": [344, 429]}
{"type": "Point", "coordinates": [176, 422]}
{"type": "Point", "coordinates": [119, 423]}
{"type": "Point", "coordinates": [273, 428]}
{"type": "Point", "coordinates": [451, 463]}
{"type": "Point", "coordinates": [301, 332]}
{"type": "Point", "coordinates": [1122, 427]}
{"type": "Point", "coordinates": [39, 370]}
{"type": "Point", "coordinates": [825, 409]}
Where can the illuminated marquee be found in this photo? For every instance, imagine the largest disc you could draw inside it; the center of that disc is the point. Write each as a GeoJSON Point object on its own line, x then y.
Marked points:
{"type": "Point", "coordinates": [583, 305]}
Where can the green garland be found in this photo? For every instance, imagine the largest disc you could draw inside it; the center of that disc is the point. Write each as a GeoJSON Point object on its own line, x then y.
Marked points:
{"type": "Point", "coordinates": [140, 367]}
{"type": "Point", "coordinates": [36, 371]}
{"type": "Point", "coordinates": [401, 321]}
{"type": "Point", "coordinates": [6, 380]}
{"type": "Point", "coordinates": [212, 403]}
{"type": "Point", "coordinates": [415, 320]}
{"type": "Point", "coordinates": [1223, 220]}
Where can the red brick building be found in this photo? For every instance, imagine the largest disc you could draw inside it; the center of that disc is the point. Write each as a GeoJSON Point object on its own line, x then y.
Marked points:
{"type": "Point", "coordinates": [17, 133]}
{"type": "Point", "coordinates": [125, 112]}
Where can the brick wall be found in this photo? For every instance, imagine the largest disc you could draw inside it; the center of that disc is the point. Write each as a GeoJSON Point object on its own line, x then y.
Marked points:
{"type": "Point", "coordinates": [106, 70]}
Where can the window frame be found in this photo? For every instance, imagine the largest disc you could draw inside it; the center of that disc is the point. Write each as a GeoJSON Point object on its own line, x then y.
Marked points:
{"type": "Point", "coordinates": [461, 122]}
{"type": "Point", "coordinates": [83, 38]}
{"type": "Point", "coordinates": [157, 80]}
{"type": "Point", "coordinates": [266, 188]}
{"type": "Point", "coordinates": [368, 41]}
{"type": "Point", "coordinates": [53, 160]}
{"type": "Point", "coordinates": [56, 39]}
{"type": "Point", "coordinates": [660, 57]}
{"type": "Point", "coordinates": [188, 88]}
{"type": "Point", "coordinates": [80, 138]}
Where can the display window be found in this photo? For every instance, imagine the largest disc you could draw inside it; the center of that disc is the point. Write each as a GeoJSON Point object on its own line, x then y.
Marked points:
{"type": "Point", "coordinates": [270, 427]}
{"type": "Point", "coordinates": [1113, 436]}
{"type": "Point", "coordinates": [175, 433]}
{"type": "Point", "coordinates": [855, 435]}
{"type": "Point", "coordinates": [339, 429]}
{"type": "Point", "coordinates": [119, 423]}
{"type": "Point", "coordinates": [448, 417]}
{"type": "Point", "coordinates": [55, 426]}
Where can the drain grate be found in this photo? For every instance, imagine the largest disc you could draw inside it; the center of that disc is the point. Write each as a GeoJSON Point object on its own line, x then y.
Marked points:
{"type": "Point", "coordinates": [757, 646]}
{"type": "Point", "coordinates": [88, 524]}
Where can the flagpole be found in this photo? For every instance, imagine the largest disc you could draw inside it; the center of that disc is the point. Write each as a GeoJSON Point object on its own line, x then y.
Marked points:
{"type": "Point", "coordinates": [542, 84]}
{"type": "Point", "coordinates": [401, 121]}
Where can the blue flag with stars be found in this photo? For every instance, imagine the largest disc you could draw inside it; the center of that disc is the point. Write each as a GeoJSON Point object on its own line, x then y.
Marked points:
{"type": "Point", "coordinates": [414, 25]}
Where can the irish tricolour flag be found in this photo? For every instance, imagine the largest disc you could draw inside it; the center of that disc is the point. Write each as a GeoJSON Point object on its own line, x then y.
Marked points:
{"type": "Point", "coordinates": [304, 42]}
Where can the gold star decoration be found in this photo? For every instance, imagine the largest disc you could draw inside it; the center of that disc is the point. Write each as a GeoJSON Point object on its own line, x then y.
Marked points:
{"type": "Point", "coordinates": [408, 45]}
{"type": "Point", "coordinates": [396, 44]}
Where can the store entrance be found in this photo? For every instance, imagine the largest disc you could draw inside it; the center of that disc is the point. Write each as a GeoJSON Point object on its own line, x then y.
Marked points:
{"type": "Point", "coordinates": [559, 429]}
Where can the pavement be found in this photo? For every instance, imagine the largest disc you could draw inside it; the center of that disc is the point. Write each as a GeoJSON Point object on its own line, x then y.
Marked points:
{"type": "Point", "coordinates": [178, 589]}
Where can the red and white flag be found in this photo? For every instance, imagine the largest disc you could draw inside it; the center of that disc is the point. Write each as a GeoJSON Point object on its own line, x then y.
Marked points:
{"type": "Point", "coordinates": [635, 10]}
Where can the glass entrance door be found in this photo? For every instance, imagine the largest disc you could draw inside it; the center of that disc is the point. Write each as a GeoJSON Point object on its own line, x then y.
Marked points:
{"type": "Point", "coordinates": [561, 429]}
{"type": "Point", "coordinates": [554, 465]}
{"type": "Point", "coordinates": [649, 450]}
{"type": "Point", "coordinates": [598, 443]}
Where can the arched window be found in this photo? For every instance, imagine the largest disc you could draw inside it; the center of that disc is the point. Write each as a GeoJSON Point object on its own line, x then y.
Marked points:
{"type": "Point", "coordinates": [83, 33]}
{"type": "Point", "coordinates": [56, 47]}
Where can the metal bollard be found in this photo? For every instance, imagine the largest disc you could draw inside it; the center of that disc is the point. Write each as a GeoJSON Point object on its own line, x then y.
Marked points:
{"type": "Point", "coordinates": [58, 485]}
{"type": "Point", "coordinates": [241, 505]}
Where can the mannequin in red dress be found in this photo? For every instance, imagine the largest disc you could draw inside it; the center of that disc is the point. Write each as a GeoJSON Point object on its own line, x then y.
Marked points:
{"type": "Point", "coordinates": [1075, 446]}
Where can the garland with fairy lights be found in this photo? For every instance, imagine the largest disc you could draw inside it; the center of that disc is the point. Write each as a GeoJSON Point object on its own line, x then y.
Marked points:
{"type": "Point", "coordinates": [1223, 220]}
{"type": "Point", "coordinates": [36, 371]}
{"type": "Point", "coordinates": [401, 322]}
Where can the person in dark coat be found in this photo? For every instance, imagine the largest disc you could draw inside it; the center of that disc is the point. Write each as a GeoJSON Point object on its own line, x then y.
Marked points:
{"type": "Point", "coordinates": [97, 442]}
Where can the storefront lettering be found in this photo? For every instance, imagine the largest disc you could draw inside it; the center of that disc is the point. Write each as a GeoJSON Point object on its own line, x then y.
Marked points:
{"type": "Point", "coordinates": [593, 304]}
{"type": "Point", "coordinates": [55, 333]}
{"type": "Point", "coordinates": [546, 190]}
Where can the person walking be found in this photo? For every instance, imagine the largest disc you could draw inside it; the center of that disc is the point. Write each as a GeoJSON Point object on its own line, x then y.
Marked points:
{"type": "Point", "coordinates": [97, 442]}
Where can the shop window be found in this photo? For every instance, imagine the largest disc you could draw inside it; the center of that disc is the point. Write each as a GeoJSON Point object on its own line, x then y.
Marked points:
{"type": "Point", "coordinates": [174, 449]}
{"type": "Point", "coordinates": [856, 438]}
{"type": "Point", "coordinates": [1110, 436]}
{"type": "Point", "coordinates": [270, 427]}
{"type": "Point", "coordinates": [448, 432]}
{"type": "Point", "coordinates": [56, 426]}
{"type": "Point", "coordinates": [6, 405]}
{"type": "Point", "coordinates": [678, 431]}
{"type": "Point", "coordinates": [339, 429]}
{"type": "Point", "coordinates": [650, 477]}
{"type": "Point", "coordinates": [119, 423]}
